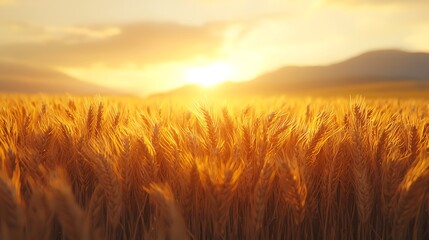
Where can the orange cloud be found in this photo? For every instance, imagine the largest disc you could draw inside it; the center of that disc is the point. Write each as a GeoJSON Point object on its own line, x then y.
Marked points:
{"type": "Point", "coordinates": [139, 43]}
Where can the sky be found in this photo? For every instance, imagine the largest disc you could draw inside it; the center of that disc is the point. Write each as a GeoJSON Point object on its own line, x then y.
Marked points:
{"type": "Point", "coordinates": [148, 46]}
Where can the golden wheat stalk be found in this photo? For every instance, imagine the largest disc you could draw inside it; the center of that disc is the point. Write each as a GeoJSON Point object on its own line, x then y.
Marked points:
{"type": "Point", "coordinates": [70, 215]}
{"type": "Point", "coordinates": [410, 198]}
{"type": "Point", "coordinates": [10, 208]}
{"type": "Point", "coordinates": [260, 196]}
{"type": "Point", "coordinates": [173, 225]}
{"type": "Point", "coordinates": [96, 213]}
{"type": "Point", "coordinates": [112, 190]}
{"type": "Point", "coordinates": [293, 187]}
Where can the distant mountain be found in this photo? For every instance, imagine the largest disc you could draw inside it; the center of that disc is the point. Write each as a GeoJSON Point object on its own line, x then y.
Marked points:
{"type": "Point", "coordinates": [376, 66]}
{"type": "Point", "coordinates": [18, 78]}
{"type": "Point", "coordinates": [387, 72]}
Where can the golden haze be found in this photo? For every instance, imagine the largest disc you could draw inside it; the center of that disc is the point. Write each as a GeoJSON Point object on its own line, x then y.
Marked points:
{"type": "Point", "coordinates": [147, 47]}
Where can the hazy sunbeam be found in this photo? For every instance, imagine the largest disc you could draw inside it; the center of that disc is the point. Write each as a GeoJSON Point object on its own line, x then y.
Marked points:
{"type": "Point", "coordinates": [211, 74]}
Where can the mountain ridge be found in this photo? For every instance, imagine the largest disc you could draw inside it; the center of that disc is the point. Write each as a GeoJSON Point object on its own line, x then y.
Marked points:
{"type": "Point", "coordinates": [21, 78]}
{"type": "Point", "coordinates": [389, 68]}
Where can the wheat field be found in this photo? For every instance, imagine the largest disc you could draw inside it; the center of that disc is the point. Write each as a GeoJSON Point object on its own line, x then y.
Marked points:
{"type": "Point", "coordinates": [277, 168]}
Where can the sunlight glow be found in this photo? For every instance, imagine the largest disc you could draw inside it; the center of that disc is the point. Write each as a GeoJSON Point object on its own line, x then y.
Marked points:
{"type": "Point", "coordinates": [210, 75]}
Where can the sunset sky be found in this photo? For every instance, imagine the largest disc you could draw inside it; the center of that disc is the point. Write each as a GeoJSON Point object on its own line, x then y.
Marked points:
{"type": "Point", "coordinates": [155, 45]}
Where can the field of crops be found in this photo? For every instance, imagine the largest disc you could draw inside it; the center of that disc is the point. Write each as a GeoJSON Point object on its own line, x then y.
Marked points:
{"type": "Point", "coordinates": [116, 168]}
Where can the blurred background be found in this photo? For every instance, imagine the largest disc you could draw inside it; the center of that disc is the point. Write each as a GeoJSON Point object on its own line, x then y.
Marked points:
{"type": "Point", "coordinates": [242, 46]}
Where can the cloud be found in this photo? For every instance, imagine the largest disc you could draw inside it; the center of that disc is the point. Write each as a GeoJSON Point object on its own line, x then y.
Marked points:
{"type": "Point", "coordinates": [24, 33]}
{"type": "Point", "coordinates": [138, 43]}
{"type": "Point", "coordinates": [327, 35]}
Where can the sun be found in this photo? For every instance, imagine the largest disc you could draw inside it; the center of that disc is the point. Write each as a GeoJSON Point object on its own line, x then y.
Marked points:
{"type": "Point", "coordinates": [210, 75]}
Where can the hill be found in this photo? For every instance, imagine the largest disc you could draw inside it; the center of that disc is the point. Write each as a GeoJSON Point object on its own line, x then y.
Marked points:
{"type": "Point", "coordinates": [383, 72]}
{"type": "Point", "coordinates": [19, 78]}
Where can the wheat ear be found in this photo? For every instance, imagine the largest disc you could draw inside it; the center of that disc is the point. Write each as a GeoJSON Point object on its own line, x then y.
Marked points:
{"type": "Point", "coordinates": [70, 215]}
{"type": "Point", "coordinates": [9, 207]}
{"type": "Point", "coordinates": [410, 197]}
{"type": "Point", "coordinates": [173, 223]}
